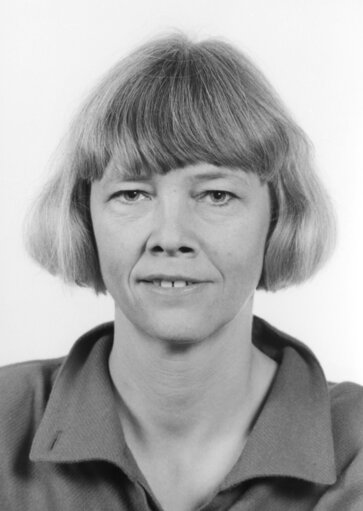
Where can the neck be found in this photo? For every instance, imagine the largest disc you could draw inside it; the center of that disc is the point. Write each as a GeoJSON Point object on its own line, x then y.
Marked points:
{"type": "Point", "coordinates": [191, 393]}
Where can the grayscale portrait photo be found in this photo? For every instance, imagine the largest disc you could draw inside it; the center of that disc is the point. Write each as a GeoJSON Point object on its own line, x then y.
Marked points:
{"type": "Point", "coordinates": [182, 235]}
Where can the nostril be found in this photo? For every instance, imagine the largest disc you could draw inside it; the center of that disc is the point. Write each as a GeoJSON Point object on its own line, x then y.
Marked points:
{"type": "Point", "coordinates": [185, 250]}
{"type": "Point", "coordinates": [158, 249]}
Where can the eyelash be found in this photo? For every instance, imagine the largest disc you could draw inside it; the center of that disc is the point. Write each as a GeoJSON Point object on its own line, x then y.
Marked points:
{"type": "Point", "coordinates": [209, 193]}
{"type": "Point", "coordinates": [228, 195]}
{"type": "Point", "coordinates": [123, 195]}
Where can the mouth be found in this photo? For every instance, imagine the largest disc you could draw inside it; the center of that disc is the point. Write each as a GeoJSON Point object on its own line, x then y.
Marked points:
{"type": "Point", "coordinates": [171, 283]}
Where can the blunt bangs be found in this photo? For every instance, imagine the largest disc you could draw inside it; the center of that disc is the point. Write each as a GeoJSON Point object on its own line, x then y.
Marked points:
{"type": "Point", "coordinates": [183, 103]}
{"type": "Point", "coordinates": [170, 104]}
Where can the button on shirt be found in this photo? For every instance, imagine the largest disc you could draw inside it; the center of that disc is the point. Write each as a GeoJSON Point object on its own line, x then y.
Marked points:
{"type": "Point", "coordinates": [62, 445]}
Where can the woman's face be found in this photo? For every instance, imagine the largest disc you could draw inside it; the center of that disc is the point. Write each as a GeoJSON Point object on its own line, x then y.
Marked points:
{"type": "Point", "coordinates": [181, 253]}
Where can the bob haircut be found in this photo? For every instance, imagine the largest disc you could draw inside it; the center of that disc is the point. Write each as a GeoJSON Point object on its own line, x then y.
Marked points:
{"type": "Point", "coordinates": [170, 104]}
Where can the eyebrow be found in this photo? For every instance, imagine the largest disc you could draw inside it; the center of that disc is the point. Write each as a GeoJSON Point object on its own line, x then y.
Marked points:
{"type": "Point", "coordinates": [212, 175]}
{"type": "Point", "coordinates": [130, 177]}
{"type": "Point", "coordinates": [220, 174]}
{"type": "Point", "coordinates": [117, 175]}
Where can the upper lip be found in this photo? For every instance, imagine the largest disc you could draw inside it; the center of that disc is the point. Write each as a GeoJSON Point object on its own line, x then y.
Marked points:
{"type": "Point", "coordinates": [163, 276]}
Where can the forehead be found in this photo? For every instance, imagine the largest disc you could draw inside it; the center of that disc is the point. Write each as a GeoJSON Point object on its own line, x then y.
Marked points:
{"type": "Point", "coordinates": [198, 172]}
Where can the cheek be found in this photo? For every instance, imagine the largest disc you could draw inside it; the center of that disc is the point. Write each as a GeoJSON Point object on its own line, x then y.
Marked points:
{"type": "Point", "coordinates": [242, 253]}
{"type": "Point", "coordinates": [114, 253]}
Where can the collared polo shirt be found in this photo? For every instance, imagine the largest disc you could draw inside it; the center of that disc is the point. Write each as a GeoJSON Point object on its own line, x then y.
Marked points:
{"type": "Point", "coordinates": [62, 445]}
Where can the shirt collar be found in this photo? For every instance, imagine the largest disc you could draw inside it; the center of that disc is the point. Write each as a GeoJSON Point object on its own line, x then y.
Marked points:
{"type": "Point", "coordinates": [80, 422]}
{"type": "Point", "coordinates": [292, 435]}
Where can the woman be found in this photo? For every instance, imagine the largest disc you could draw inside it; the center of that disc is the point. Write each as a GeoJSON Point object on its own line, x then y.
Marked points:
{"type": "Point", "coordinates": [184, 186]}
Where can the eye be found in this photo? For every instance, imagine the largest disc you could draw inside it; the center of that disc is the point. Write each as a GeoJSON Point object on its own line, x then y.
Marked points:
{"type": "Point", "coordinates": [128, 196]}
{"type": "Point", "coordinates": [218, 197]}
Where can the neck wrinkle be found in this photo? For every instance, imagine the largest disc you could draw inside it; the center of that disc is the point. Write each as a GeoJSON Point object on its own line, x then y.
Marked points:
{"type": "Point", "coordinates": [192, 393]}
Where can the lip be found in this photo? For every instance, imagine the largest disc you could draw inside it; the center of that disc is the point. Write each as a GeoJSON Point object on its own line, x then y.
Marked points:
{"type": "Point", "coordinates": [162, 276]}
{"type": "Point", "coordinates": [191, 288]}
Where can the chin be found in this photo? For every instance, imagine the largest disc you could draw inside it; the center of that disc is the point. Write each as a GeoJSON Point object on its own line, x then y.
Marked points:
{"type": "Point", "coordinates": [178, 333]}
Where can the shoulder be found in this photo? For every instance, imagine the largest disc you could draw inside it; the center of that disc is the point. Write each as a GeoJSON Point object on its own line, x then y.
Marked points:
{"type": "Point", "coordinates": [347, 417]}
{"type": "Point", "coordinates": [24, 393]}
{"type": "Point", "coordinates": [346, 397]}
{"type": "Point", "coordinates": [26, 379]}
{"type": "Point", "coordinates": [25, 387]}
{"type": "Point", "coordinates": [347, 428]}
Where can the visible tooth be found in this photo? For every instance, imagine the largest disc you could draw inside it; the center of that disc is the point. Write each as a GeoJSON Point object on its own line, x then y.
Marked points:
{"type": "Point", "coordinates": [156, 282]}
{"type": "Point", "coordinates": [180, 283]}
{"type": "Point", "coordinates": [166, 283]}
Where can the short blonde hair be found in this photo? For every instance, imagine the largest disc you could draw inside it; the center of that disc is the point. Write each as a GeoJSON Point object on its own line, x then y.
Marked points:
{"type": "Point", "coordinates": [174, 103]}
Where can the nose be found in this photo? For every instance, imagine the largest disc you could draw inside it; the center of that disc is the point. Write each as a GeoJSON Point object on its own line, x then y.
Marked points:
{"type": "Point", "coordinates": [171, 232]}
